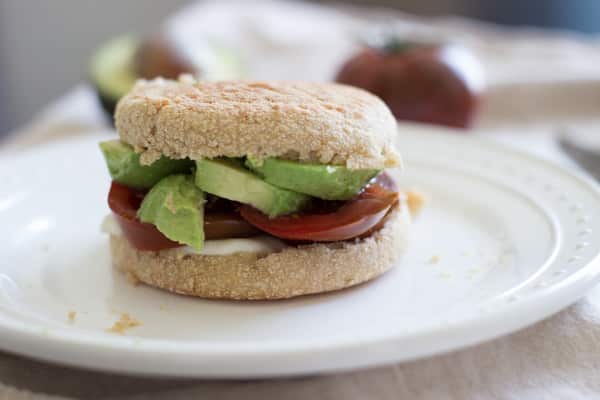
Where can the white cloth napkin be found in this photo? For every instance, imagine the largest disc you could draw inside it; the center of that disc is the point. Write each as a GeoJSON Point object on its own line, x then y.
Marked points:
{"type": "Point", "coordinates": [538, 83]}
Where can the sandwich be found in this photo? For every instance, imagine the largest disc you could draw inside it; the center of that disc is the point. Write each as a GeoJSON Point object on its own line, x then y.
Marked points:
{"type": "Point", "coordinates": [253, 190]}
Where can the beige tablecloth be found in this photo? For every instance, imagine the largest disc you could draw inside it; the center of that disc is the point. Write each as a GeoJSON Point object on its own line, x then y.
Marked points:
{"type": "Point", "coordinates": [539, 82]}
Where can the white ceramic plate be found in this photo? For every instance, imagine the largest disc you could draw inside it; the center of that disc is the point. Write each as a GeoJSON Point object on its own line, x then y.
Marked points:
{"type": "Point", "coordinates": [515, 239]}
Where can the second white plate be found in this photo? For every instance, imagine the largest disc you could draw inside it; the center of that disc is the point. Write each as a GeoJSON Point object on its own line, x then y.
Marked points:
{"type": "Point", "coordinates": [505, 241]}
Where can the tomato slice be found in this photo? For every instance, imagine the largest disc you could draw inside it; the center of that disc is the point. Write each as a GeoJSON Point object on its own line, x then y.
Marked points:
{"type": "Point", "coordinates": [358, 217]}
{"type": "Point", "coordinates": [352, 219]}
{"type": "Point", "coordinates": [227, 225]}
{"type": "Point", "coordinates": [124, 201]}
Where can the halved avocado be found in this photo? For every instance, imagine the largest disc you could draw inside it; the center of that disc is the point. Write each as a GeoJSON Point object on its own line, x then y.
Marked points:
{"type": "Point", "coordinates": [112, 70]}
{"type": "Point", "coordinates": [117, 65]}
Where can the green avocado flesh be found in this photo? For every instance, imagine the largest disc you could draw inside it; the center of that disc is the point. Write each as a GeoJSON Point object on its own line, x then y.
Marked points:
{"type": "Point", "coordinates": [175, 206]}
{"type": "Point", "coordinates": [124, 166]}
{"type": "Point", "coordinates": [327, 182]}
{"type": "Point", "coordinates": [112, 70]}
{"type": "Point", "coordinates": [229, 179]}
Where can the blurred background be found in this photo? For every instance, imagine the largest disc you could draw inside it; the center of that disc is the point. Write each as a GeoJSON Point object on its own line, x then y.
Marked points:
{"type": "Point", "coordinates": [45, 47]}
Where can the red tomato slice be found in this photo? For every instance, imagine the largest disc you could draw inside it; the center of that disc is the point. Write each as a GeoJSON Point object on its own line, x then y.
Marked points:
{"type": "Point", "coordinates": [352, 219]}
{"type": "Point", "coordinates": [124, 203]}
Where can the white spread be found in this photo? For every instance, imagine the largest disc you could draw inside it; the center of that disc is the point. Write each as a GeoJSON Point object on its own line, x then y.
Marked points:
{"type": "Point", "coordinates": [219, 247]}
{"type": "Point", "coordinates": [110, 226]}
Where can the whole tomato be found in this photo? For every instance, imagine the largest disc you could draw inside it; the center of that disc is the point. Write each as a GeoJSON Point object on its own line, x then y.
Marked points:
{"type": "Point", "coordinates": [433, 83]}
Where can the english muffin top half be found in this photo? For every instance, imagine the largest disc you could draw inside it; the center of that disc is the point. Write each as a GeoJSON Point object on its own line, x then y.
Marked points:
{"type": "Point", "coordinates": [313, 122]}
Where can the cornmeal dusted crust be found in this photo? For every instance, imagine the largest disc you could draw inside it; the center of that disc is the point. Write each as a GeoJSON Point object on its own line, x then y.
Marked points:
{"type": "Point", "coordinates": [294, 271]}
{"type": "Point", "coordinates": [319, 122]}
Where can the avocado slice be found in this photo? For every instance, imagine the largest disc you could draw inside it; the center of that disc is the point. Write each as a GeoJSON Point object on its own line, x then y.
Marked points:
{"type": "Point", "coordinates": [175, 206]}
{"type": "Point", "coordinates": [329, 182]}
{"type": "Point", "coordinates": [112, 70]}
{"type": "Point", "coordinates": [229, 179]}
{"type": "Point", "coordinates": [124, 165]}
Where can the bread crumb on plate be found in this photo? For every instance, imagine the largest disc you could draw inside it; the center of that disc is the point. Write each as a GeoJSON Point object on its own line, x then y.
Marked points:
{"type": "Point", "coordinates": [415, 201]}
{"type": "Point", "coordinates": [125, 322]}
